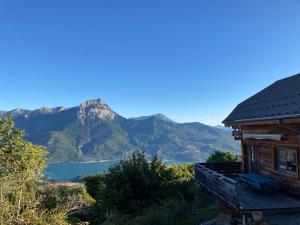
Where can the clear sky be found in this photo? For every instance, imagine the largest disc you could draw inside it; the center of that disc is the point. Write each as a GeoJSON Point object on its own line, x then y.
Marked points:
{"type": "Point", "coordinates": [192, 60]}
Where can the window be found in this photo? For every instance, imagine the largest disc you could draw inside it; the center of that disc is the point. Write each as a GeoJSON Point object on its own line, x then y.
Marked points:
{"type": "Point", "coordinates": [287, 160]}
{"type": "Point", "coordinates": [281, 160]}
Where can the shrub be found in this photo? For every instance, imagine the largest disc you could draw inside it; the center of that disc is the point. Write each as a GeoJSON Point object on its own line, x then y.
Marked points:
{"type": "Point", "coordinates": [134, 185]}
{"type": "Point", "coordinates": [22, 201]}
{"type": "Point", "coordinates": [219, 157]}
{"type": "Point", "coordinates": [152, 216]}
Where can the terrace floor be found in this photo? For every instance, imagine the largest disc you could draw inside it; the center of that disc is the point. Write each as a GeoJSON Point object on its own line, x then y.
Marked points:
{"type": "Point", "coordinates": [283, 219]}
{"type": "Point", "coordinates": [250, 200]}
{"type": "Point", "coordinates": [239, 195]}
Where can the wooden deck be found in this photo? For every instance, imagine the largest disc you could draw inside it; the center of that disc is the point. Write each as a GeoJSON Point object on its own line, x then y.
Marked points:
{"type": "Point", "coordinates": [242, 197]}
{"type": "Point", "coordinates": [250, 200]}
{"type": "Point", "coordinates": [283, 219]}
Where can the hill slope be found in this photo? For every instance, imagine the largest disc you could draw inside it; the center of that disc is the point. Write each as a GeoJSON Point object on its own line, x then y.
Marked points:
{"type": "Point", "coordinates": [93, 131]}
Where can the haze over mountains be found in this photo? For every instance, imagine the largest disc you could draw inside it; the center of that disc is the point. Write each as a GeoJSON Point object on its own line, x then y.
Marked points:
{"type": "Point", "coordinates": [93, 131]}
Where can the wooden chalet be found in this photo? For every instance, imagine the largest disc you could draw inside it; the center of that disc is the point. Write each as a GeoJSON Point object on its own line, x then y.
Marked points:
{"type": "Point", "coordinates": [268, 126]}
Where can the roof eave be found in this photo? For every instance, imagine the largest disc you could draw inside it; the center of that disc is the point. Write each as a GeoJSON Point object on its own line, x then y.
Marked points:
{"type": "Point", "coordinates": [234, 122]}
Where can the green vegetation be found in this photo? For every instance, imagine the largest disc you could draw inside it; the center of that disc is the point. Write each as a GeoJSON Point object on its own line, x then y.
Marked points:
{"type": "Point", "coordinates": [138, 191]}
{"type": "Point", "coordinates": [219, 157]}
{"type": "Point", "coordinates": [135, 191]}
{"type": "Point", "coordinates": [207, 212]}
{"type": "Point", "coordinates": [23, 198]}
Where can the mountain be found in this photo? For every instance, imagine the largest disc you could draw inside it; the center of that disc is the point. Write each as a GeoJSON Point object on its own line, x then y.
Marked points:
{"type": "Point", "coordinates": [158, 116]}
{"type": "Point", "coordinates": [93, 131]}
{"type": "Point", "coordinates": [228, 129]}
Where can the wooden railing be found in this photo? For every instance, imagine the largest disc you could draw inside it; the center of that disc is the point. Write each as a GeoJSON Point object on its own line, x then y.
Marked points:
{"type": "Point", "coordinates": [217, 183]}
{"type": "Point", "coordinates": [230, 169]}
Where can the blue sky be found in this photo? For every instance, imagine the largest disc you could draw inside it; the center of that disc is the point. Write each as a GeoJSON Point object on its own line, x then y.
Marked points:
{"type": "Point", "coordinates": [191, 60]}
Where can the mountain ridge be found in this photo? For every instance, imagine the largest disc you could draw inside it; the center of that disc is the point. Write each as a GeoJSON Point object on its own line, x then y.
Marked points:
{"type": "Point", "coordinates": [93, 131]}
{"type": "Point", "coordinates": [157, 115]}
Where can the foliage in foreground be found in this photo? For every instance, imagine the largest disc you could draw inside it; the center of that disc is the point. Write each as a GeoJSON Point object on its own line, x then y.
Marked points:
{"type": "Point", "coordinates": [220, 157]}
{"type": "Point", "coordinates": [135, 191]}
{"type": "Point", "coordinates": [22, 199]}
{"type": "Point", "coordinates": [138, 191]}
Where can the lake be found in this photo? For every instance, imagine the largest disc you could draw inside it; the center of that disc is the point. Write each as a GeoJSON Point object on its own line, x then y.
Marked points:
{"type": "Point", "coordinates": [67, 171]}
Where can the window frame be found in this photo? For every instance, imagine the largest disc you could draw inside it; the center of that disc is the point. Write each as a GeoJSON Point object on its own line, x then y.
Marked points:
{"type": "Point", "coordinates": [276, 158]}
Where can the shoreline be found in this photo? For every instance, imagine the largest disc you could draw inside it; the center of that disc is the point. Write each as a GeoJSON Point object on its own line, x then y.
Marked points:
{"type": "Point", "coordinates": [93, 161]}
{"type": "Point", "coordinates": [110, 160]}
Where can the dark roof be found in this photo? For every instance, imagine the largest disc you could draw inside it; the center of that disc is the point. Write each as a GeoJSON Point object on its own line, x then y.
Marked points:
{"type": "Point", "coordinates": [278, 101]}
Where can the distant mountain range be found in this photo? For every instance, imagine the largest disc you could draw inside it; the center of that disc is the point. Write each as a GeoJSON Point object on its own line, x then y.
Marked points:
{"type": "Point", "coordinates": [93, 131]}
{"type": "Point", "coordinates": [158, 116]}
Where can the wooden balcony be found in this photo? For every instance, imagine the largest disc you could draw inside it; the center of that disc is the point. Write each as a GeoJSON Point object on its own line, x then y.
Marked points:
{"type": "Point", "coordinates": [215, 178]}
{"type": "Point", "coordinates": [222, 180]}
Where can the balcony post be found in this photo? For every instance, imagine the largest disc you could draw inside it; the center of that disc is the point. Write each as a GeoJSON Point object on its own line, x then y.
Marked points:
{"type": "Point", "coordinates": [243, 219]}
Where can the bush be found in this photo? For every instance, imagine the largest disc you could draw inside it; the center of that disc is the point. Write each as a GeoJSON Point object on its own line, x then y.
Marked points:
{"type": "Point", "coordinates": [220, 157]}
{"type": "Point", "coordinates": [23, 200]}
{"type": "Point", "coordinates": [134, 185]}
{"type": "Point", "coordinates": [116, 218]}
{"type": "Point", "coordinates": [152, 216]}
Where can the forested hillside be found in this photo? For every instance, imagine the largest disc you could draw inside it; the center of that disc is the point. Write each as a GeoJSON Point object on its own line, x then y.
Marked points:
{"type": "Point", "coordinates": [93, 131]}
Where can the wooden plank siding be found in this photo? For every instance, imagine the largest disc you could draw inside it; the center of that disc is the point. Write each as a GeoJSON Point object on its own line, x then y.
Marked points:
{"type": "Point", "coordinates": [267, 152]}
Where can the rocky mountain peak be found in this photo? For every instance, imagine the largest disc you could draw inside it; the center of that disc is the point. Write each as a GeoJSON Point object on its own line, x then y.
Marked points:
{"type": "Point", "coordinates": [17, 111]}
{"type": "Point", "coordinates": [94, 103]}
{"type": "Point", "coordinates": [95, 108]}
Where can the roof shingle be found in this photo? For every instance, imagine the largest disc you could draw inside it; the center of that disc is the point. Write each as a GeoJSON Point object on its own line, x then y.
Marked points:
{"type": "Point", "coordinates": [279, 100]}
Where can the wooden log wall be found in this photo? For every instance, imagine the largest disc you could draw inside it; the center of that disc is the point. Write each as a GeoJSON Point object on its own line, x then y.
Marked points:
{"type": "Point", "coordinates": [267, 152]}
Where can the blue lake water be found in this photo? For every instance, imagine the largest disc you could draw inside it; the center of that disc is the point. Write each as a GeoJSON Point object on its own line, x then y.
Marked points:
{"type": "Point", "coordinates": [69, 171]}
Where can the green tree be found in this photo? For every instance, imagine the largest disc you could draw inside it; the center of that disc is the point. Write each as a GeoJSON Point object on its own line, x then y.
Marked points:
{"type": "Point", "coordinates": [219, 157]}
{"type": "Point", "coordinates": [22, 202]}
{"type": "Point", "coordinates": [21, 164]}
{"type": "Point", "coordinates": [135, 184]}
{"type": "Point", "coordinates": [20, 161]}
